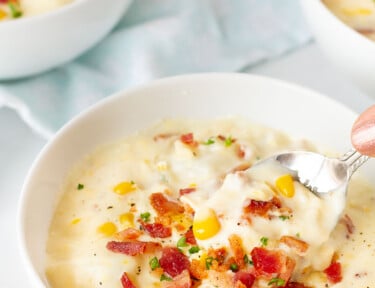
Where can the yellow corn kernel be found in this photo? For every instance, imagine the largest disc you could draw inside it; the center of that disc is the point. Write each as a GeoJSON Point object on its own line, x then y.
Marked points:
{"type": "Point", "coordinates": [76, 221]}
{"type": "Point", "coordinates": [285, 185]}
{"type": "Point", "coordinates": [107, 229]}
{"type": "Point", "coordinates": [357, 11]}
{"type": "Point", "coordinates": [192, 185]}
{"type": "Point", "coordinates": [127, 219]}
{"type": "Point", "coordinates": [162, 166]}
{"type": "Point", "coordinates": [124, 187]}
{"type": "Point", "coordinates": [205, 224]}
{"type": "Point", "coordinates": [3, 14]}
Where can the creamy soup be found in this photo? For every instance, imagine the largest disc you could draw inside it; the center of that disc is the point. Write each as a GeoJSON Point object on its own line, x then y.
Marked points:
{"type": "Point", "coordinates": [176, 205]}
{"type": "Point", "coordinates": [358, 14]}
{"type": "Point", "coordinates": [12, 9]}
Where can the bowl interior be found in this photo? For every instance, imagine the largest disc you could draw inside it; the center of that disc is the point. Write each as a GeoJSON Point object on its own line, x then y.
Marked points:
{"type": "Point", "coordinates": [297, 111]}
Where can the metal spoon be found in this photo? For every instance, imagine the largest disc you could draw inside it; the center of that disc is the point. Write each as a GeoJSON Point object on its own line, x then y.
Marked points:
{"type": "Point", "coordinates": [324, 175]}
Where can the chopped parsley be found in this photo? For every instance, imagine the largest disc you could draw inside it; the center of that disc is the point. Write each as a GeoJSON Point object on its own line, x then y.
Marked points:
{"type": "Point", "coordinates": [298, 235]}
{"type": "Point", "coordinates": [164, 277]}
{"type": "Point", "coordinates": [194, 249]}
{"type": "Point", "coordinates": [233, 267]}
{"type": "Point", "coordinates": [80, 186]}
{"type": "Point", "coordinates": [284, 217]}
{"type": "Point", "coordinates": [264, 241]}
{"type": "Point", "coordinates": [182, 242]}
{"type": "Point", "coordinates": [146, 216]}
{"type": "Point", "coordinates": [154, 263]}
{"type": "Point", "coordinates": [209, 261]}
{"type": "Point", "coordinates": [228, 141]}
{"type": "Point", "coordinates": [15, 10]}
{"type": "Point", "coordinates": [210, 141]}
{"type": "Point", "coordinates": [247, 260]}
{"type": "Point", "coordinates": [278, 282]}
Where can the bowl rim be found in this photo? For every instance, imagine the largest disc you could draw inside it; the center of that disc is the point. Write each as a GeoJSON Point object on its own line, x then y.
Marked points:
{"type": "Point", "coordinates": [344, 26]}
{"type": "Point", "coordinates": [43, 16]}
{"type": "Point", "coordinates": [101, 104]}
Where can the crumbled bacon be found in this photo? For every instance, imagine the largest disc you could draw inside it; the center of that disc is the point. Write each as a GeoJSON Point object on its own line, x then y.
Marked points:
{"type": "Point", "coordinates": [180, 281]}
{"type": "Point", "coordinates": [188, 139]}
{"type": "Point", "coordinates": [297, 244]}
{"type": "Point", "coordinates": [241, 152]}
{"type": "Point", "coordinates": [347, 221]}
{"type": "Point", "coordinates": [187, 190]}
{"type": "Point", "coordinates": [198, 270]}
{"type": "Point", "coordinates": [333, 272]}
{"type": "Point", "coordinates": [133, 248]}
{"type": "Point", "coordinates": [163, 136]}
{"type": "Point", "coordinates": [163, 206]}
{"type": "Point", "coordinates": [157, 230]}
{"type": "Point", "coordinates": [261, 208]}
{"type": "Point", "coordinates": [128, 234]}
{"type": "Point", "coordinates": [173, 261]}
{"type": "Point", "coordinates": [218, 254]}
{"type": "Point", "coordinates": [126, 282]}
{"type": "Point", "coordinates": [235, 244]}
{"type": "Point", "coordinates": [246, 278]}
{"type": "Point", "coordinates": [241, 167]}
{"type": "Point", "coordinates": [190, 238]}
{"type": "Point", "coordinates": [268, 263]}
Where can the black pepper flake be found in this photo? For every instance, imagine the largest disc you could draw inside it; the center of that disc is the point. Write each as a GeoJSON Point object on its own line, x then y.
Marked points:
{"type": "Point", "coordinates": [109, 207]}
{"type": "Point", "coordinates": [132, 204]}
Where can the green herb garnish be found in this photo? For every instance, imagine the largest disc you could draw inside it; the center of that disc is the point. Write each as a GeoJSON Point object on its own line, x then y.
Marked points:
{"type": "Point", "coordinates": [264, 241]}
{"type": "Point", "coordinates": [210, 141]}
{"type": "Point", "coordinates": [182, 242]}
{"type": "Point", "coordinates": [146, 216]}
{"type": "Point", "coordinates": [209, 261]}
{"type": "Point", "coordinates": [194, 249]}
{"type": "Point", "coordinates": [164, 277]}
{"type": "Point", "coordinates": [278, 282]}
{"type": "Point", "coordinates": [228, 141]}
{"type": "Point", "coordinates": [233, 267]}
{"type": "Point", "coordinates": [154, 263]}
{"type": "Point", "coordinates": [15, 10]}
{"type": "Point", "coordinates": [283, 217]}
{"type": "Point", "coordinates": [80, 186]}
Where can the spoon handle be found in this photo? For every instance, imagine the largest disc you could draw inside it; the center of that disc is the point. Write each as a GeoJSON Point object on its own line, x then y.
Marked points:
{"type": "Point", "coordinates": [363, 133]}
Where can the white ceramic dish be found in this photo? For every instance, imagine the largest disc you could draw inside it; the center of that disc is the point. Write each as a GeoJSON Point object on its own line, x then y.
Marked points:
{"type": "Point", "coordinates": [36, 44]}
{"type": "Point", "coordinates": [350, 51]}
{"type": "Point", "coordinates": [295, 110]}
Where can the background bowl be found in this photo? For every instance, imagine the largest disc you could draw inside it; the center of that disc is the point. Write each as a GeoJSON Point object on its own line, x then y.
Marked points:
{"type": "Point", "coordinates": [36, 44]}
{"type": "Point", "coordinates": [297, 111]}
{"type": "Point", "coordinates": [352, 52]}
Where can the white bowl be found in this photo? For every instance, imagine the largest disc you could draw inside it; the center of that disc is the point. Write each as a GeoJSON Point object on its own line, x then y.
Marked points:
{"type": "Point", "coordinates": [297, 111]}
{"type": "Point", "coordinates": [352, 52]}
{"type": "Point", "coordinates": [36, 44]}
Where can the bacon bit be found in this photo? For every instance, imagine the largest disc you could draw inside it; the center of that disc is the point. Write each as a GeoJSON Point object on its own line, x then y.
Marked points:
{"type": "Point", "coordinates": [235, 244]}
{"type": "Point", "coordinates": [187, 190]}
{"type": "Point", "coordinates": [300, 245]}
{"type": "Point", "coordinates": [180, 281]}
{"type": "Point", "coordinates": [218, 254]}
{"type": "Point", "coordinates": [165, 220]}
{"type": "Point", "coordinates": [198, 270]}
{"type": "Point", "coordinates": [163, 136]}
{"type": "Point", "coordinates": [128, 234]}
{"type": "Point", "coordinates": [347, 221]}
{"type": "Point", "coordinates": [173, 261]}
{"type": "Point", "coordinates": [163, 206]}
{"type": "Point", "coordinates": [261, 208]}
{"type": "Point", "coordinates": [333, 272]}
{"type": "Point", "coordinates": [240, 151]}
{"type": "Point", "coordinates": [190, 239]}
{"type": "Point", "coordinates": [267, 263]}
{"type": "Point", "coordinates": [295, 285]}
{"type": "Point", "coordinates": [188, 139]}
{"type": "Point", "coordinates": [133, 248]}
{"type": "Point", "coordinates": [126, 282]}
{"type": "Point", "coordinates": [246, 278]}
{"type": "Point", "coordinates": [157, 230]}
{"type": "Point", "coordinates": [241, 167]}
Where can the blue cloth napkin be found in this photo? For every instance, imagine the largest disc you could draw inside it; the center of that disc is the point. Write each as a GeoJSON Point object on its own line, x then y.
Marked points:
{"type": "Point", "coordinates": [158, 38]}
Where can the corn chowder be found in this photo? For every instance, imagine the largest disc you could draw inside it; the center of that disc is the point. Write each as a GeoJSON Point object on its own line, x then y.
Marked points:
{"type": "Point", "coordinates": [12, 9]}
{"type": "Point", "coordinates": [176, 206]}
{"type": "Point", "coordinates": [358, 14]}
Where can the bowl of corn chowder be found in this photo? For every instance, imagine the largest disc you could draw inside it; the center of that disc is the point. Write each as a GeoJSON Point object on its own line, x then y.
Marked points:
{"type": "Point", "coordinates": [128, 195]}
{"type": "Point", "coordinates": [42, 34]}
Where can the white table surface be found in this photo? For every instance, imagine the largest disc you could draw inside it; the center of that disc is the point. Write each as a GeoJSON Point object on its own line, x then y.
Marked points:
{"type": "Point", "coordinates": [19, 145]}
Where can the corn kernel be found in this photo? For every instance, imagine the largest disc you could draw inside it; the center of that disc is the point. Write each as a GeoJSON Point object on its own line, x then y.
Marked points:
{"type": "Point", "coordinates": [162, 166]}
{"type": "Point", "coordinates": [357, 11]}
{"type": "Point", "coordinates": [285, 185]}
{"type": "Point", "coordinates": [205, 224]}
{"type": "Point", "coordinates": [124, 188]}
{"type": "Point", "coordinates": [193, 185]}
{"type": "Point", "coordinates": [107, 229]}
{"type": "Point", "coordinates": [127, 219]}
{"type": "Point", "coordinates": [76, 221]}
{"type": "Point", "coordinates": [3, 14]}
